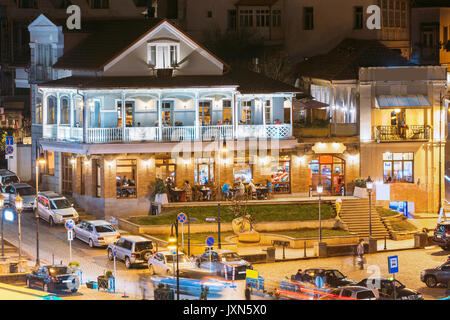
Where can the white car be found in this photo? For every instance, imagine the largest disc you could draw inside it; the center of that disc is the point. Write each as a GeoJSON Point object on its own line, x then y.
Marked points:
{"type": "Point", "coordinates": [27, 193]}
{"type": "Point", "coordinates": [55, 209]}
{"type": "Point", "coordinates": [162, 263]}
{"type": "Point", "coordinates": [97, 233]}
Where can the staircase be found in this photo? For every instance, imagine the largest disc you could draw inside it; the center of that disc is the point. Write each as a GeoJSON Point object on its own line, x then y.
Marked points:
{"type": "Point", "coordinates": [355, 214]}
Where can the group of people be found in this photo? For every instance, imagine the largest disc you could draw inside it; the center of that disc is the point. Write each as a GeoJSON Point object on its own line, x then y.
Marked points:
{"type": "Point", "coordinates": [123, 185]}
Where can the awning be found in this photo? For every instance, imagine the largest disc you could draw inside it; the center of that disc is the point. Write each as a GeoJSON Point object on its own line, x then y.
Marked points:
{"type": "Point", "coordinates": [309, 104]}
{"type": "Point", "coordinates": [403, 101]}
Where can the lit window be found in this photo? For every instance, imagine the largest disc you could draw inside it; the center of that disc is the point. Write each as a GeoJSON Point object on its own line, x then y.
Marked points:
{"type": "Point", "coordinates": [398, 167]}
{"type": "Point", "coordinates": [163, 55]}
{"type": "Point", "coordinates": [51, 110]}
{"type": "Point", "coordinates": [246, 112]}
{"type": "Point", "coordinates": [50, 163]}
{"type": "Point", "coordinates": [126, 179]}
{"type": "Point", "coordinates": [64, 110]}
{"type": "Point", "coordinates": [38, 119]}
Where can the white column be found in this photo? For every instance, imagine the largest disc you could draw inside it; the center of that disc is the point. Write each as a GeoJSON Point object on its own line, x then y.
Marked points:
{"type": "Point", "coordinates": [197, 117]}
{"type": "Point", "coordinates": [44, 113]}
{"type": "Point", "coordinates": [85, 118]}
{"type": "Point", "coordinates": [159, 110]}
{"type": "Point", "coordinates": [233, 113]}
{"type": "Point", "coordinates": [71, 116]}
{"type": "Point", "coordinates": [292, 116]}
{"type": "Point", "coordinates": [58, 114]}
{"type": "Point", "coordinates": [124, 115]}
{"type": "Point", "coordinates": [236, 116]}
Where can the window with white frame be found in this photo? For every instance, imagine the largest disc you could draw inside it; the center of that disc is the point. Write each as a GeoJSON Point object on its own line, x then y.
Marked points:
{"type": "Point", "coordinates": [262, 18]}
{"type": "Point", "coordinates": [276, 17]}
{"type": "Point", "coordinates": [163, 55]}
{"type": "Point", "coordinates": [246, 112]}
{"type": "Point", "coordinates": [395, 13]}
{"type": "Point", "coordinates": [246, 18]}
{"type": "Point", "coordinates": [268, 111]}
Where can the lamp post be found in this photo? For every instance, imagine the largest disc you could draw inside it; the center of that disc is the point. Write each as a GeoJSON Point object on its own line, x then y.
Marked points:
{"type": "Point", "coordinates": [319, 192]}
{"type": "Point", "coordinates": [19, 207]}
{"type": "Point", "coordinates": [222, 148]}
{"type": "Point", "coordinates": [369, 187]}
{"type": "Point", "coordinates": [2, 202]}
{"type": "Point", "coordinates": [173, 246]}
{"type": "Point", "coordinates": [40, 161]}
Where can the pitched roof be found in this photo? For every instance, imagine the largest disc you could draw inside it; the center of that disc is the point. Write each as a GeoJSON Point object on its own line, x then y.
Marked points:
{"type": "Point", "coordinates": [246, 81]}
{"type": "Point", "coordinates": [344, 61]}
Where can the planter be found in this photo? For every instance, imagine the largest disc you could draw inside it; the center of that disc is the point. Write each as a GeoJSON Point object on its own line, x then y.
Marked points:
{"type": "Point", "coordinates": [360, 193]}
{"type": "Point", "coordinates": [162, 198]}
{"type": "Point", "coordinates": [106, 283]}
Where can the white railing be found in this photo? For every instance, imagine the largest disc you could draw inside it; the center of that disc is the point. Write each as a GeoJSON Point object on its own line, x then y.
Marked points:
{"type": "Point", "coordinates": [206, 133]}
{"type": "Point", "coordinates": [216, 132]}
{"type": "Point", "coordinates": [178, 134]}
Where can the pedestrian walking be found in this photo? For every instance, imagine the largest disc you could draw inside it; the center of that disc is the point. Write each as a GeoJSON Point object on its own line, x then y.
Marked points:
{"type": "Point", "coordinates": [360, 252]}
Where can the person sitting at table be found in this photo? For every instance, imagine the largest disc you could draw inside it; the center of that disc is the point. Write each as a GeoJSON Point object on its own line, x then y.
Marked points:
{"type": "Point", "coordinates": [124, 181]}
{"type": "Point", "coordinates": [241, 189]}
{"type": "Point", "coordinates": [252, 188]}
{"type": "Point", "coordinates": [226, 191]}
{"type": "Point", "coordinates": [188, 190]}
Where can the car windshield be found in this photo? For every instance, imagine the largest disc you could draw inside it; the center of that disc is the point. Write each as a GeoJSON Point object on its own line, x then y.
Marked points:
{"type": "Point", "coordinates": [26, 191]}
{"type": "Point", "coordinates": [144, 245]}
{"type": "Point", "coordinates": [230, 256]}
{"type": "Point", "coordinates": [104, 228]}
{"type": "Point", "coordinates": [182, 258]}
{"type": "Point", "coordinates": [11, 179]}
{"type": "Point", "coordinates": [58, 271]}
{"type": "Point", "coordinates": [365, 295]}
{"type": "Point", "coordinates": [60, 204]}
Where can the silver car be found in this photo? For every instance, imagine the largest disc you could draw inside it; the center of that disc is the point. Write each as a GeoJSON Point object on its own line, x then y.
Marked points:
{"type": "Point", "coordinates": [55, 209]}
{"type": "Point", "coordinates": [132, 250]}
{"type": "Point", "coordinates": [162, 263]}
{"type": "Point", "coordinates": [350, 293]}
{"type": "Point", "coordinates": [97, 233]}
{"type": "Point", "coordinates": [8, 177]}
{"type": "Point", "coordinates": [26, 191]}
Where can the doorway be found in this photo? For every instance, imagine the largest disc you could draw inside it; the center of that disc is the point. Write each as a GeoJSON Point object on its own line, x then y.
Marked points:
{"type": "Point", "coordinates": [129, 114]}
{"type": "Point", "coordinates": [204, 109]}
{"type": "Point", "coordinates": [67, 173]}
{"type": "Point", "coordinates": [167, 113]}
{"type": "Point", "coordinates": [328, 170]}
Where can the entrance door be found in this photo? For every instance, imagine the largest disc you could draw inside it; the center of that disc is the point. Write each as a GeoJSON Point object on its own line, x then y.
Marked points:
{"type": "Point", "coordinates": [129, 114]}
{"type": "Point", "coordinates": [330, 172]}
{"type": "Point", "coordinates": [66, 174]}
{"type": "Point", "coordinates": [204, 109]}
{"type": "Point", "coordinates": [167, 113]}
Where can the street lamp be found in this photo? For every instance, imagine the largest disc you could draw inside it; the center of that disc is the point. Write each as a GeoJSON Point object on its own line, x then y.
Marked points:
{"type": "Point", "coordinates": [369, 187]}
{"type": "Point", "coordinates": [173, 246]}
{"type": "Point", "coordinates": [19, 208]}
{"type": "Point", "coordinates": [222, 148]}
{"type": "Point", "coordinates": [40, 161]}
{"type": "Point", "coordinates": [319, 192]}
{"type": "Point", "coordinates": [2, 202]}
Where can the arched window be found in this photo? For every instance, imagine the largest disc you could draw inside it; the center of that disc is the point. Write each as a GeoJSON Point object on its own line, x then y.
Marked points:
{"type": "Point", "coordinates": [38, 110]}
{"type": "Point", "coordinates": [64, 110]}
{"type": "Point", "coordinates": [51, 110]}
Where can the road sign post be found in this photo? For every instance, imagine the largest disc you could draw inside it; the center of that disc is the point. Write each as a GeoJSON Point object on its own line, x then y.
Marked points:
{"type": "Point", "coordinates": [210, 243]}
{"type": "Point", "coordinates": [393, 269]}
{"type": "Point", "coordinates": [70, 224]}
{"type": "Point", "coordinates": [319, 285]}
{"type": "Point", "coordinates": [181, 217]}
{"type": "Point", "coordinates": [115, 255]}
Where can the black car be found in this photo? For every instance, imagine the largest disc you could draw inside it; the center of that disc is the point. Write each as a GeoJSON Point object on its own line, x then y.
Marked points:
{"type": "Point", "coordinates": [442, 235]}
{"type": "Point", "coordinates": [384, 289]}
{"type": "Point", "coordinates": [53, 278]}
{"type": "Point", "coordinates": [224, 261]}
{"type": "Point", "coordinates": [333, 278]}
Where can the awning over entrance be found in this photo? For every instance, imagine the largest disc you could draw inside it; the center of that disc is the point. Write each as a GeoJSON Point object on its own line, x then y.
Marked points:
{"type": "Point", "coordinates": [403, 101]}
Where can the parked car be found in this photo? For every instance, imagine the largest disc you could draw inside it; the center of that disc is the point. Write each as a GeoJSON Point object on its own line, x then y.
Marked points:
{"type": "Point", "coordinates": [53, 278]}
{"type": "Point", "coordinates": [97, 233]}
{"type": "Point", "coordinates": [55, 208]}
{"type": "Point", "coordinates": [132, 250]}
{"type": "Point", "coordinates": [224, 260]}
{"type": "Point", "coordinates": [162, 263]}
{"type": "Point", "coordinates": [442, 235]}
{"type": "Point", "coordinates": [26, 191]}
{"type": "Point", "coordinates": [8, 177]}
{"type": "Point", "coordinates": [350, 293]}
{"type": "Point", "coordinates": [333, 278]}
{"type": "Point", "coordinates": [439, 275]}
{"type": "Point", "coordinates": [384, 289]}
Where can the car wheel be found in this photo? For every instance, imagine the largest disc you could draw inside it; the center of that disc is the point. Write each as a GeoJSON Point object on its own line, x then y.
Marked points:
{"type": "Point", "coordinates": [91, 243]}
{"type": "Point", "coordinates": [45, 287]}
{"type": "Point", "coordinates": [74, 290]}
{"type": "Point", "coordinates": [127, 263]}
{"type": "Point", "coordinates": [28, 283]}
{"type": "Point", "coordinates": [431, 281]}
{"type": "Point", "coordinates": [151, 269]}
{"type": "Point", "coordinates": [51, 222]}
{"type": "Point", "coordinates": [110, 255]}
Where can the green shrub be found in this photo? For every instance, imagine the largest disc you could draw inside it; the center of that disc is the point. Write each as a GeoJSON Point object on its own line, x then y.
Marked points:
{"type": "Point", "coordinates": [158, 187]}
{"type": "Point", "coordinates": [360, 182]}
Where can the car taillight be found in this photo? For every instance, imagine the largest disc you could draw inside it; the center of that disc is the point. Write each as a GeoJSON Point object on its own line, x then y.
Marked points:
{"type": "Point", "coordinates": [447, 233]}
{"type": "Point", "coordinates": [133, 255]}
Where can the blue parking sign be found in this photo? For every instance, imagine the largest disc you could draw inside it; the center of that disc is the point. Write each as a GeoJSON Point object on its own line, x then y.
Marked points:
{"type": "Point", "coordinates": [393, 264]}
{"type": "Point", "coordinates": [210, 241]}
{"type": "Point", "coordinates": [9, 141]}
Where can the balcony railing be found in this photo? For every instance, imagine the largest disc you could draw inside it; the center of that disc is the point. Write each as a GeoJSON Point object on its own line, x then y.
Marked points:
{"type": "Point", "coordinates": [165, 134]}
{"type": "Point", "coordinates": [406, 133]}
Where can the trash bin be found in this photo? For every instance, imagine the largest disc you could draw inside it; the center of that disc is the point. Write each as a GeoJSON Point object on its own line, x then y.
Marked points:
{"type": "Point", "coordinates": [14, 267]}
{"type": "Point", "coordinates": [270, 255]}
{"type": "Point", "coordinates": [420, 240]}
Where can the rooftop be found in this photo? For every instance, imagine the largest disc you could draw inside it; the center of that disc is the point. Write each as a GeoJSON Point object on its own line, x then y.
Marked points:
{"type": "Point", "coordinates": [344, 61]}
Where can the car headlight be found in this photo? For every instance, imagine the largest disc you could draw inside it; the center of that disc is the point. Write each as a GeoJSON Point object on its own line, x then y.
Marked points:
{"type": "Point", "coordinates": [58, 216]}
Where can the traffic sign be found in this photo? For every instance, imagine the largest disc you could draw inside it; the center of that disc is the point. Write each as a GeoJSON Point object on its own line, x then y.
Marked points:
{"type": "Point", "coordinates": [393, 264]}
{"type": "Point", "coordinates": [114, 251]}
{"type": "Point", "coordinates": [9, 141]}
{"type": "Point", "coordinates": [173, 251]}
{"type": "Point", "coordinates": [70, 235]}
{"type": "Point", "coordinates": [319, 282]}
{"type": "Point", "coordinates": [9, 150]}
{"type": "Point", "coordinates": [210, 241]}
{"type": "Point", "coordinates": [70, 224]}
{"type": "Point", "coordinates": [182, 218]}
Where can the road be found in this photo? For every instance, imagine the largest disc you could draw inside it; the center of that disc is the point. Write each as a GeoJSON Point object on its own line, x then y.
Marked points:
{"type": "Point", "coordinates": [411, 263]}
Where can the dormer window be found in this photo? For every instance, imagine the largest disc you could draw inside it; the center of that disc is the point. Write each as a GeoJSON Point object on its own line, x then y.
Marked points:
{"type": "Point", "coordinates": [163, 55]}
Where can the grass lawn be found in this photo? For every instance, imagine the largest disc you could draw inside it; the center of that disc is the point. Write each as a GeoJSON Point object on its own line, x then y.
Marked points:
{"type": "Point", "coordinates": [260, 213]}
{"type": "Point", "coordinates": [200, 238]}
{"type": "Point", "coordinates": [383, 212]}
{"type": "Point", "coordinates": [403, 226]}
